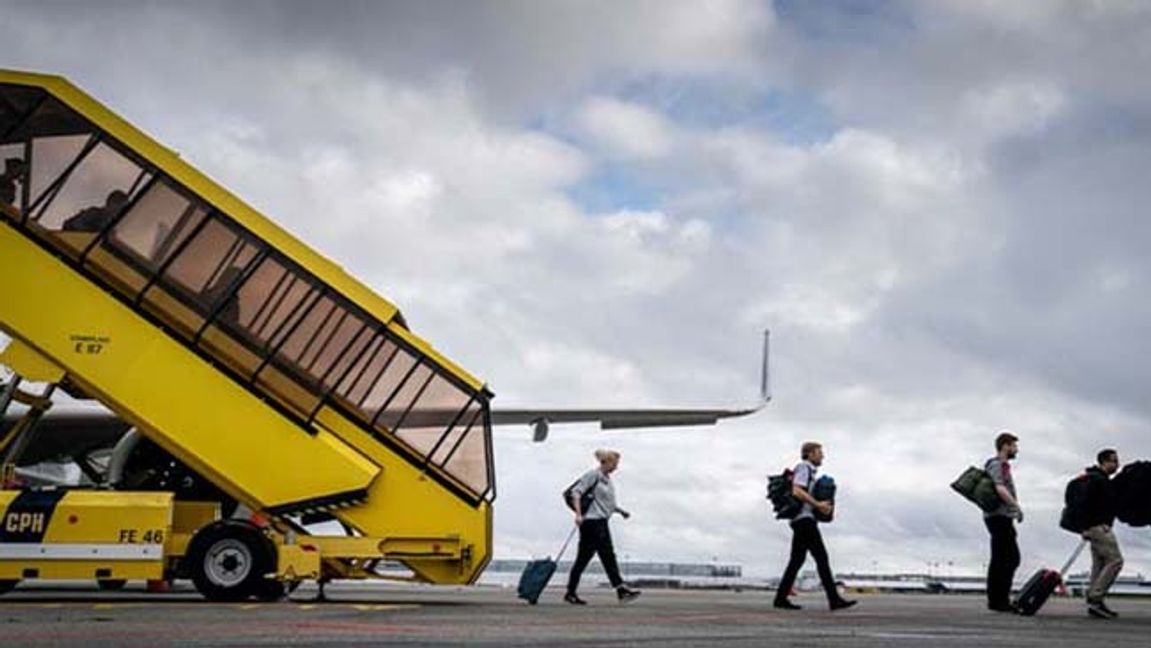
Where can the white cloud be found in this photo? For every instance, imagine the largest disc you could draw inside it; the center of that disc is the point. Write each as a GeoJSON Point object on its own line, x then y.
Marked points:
{"type": "Point", "coordinates": [646, 251]}
{"type": "Point", "coordinates": [1013, 108]}
{"type": "Point", "coordinates": [626, 129]}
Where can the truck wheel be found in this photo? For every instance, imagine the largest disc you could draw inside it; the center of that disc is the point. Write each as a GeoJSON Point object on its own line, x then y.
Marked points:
{"type": "Point", "coordinates": [228, 559]}
{"type": "Point", "coordinates": [112, 584]}
{"type": "Point", "coordinates": [274, 590]}
{"type": "Point", "coordinates": [8, 585]}
{"type": "Point", "coordinates": [271, 591]}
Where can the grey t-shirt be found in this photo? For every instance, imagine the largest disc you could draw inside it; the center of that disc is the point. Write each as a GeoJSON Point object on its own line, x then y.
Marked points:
{"type": "Point", "coordinates": [804, 477]}
{"type": "Point", "coordinates": [604, 503]}
{"type": "Point", "coordinates": [1000, 472]}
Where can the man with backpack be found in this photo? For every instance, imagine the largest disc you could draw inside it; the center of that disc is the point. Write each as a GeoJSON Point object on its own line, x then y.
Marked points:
{"type": "Point", "coordinates": [1090, 511]}
{"type": "Point", "coordinates": [805, 533]}
{"type": "Point", "coordinates": [1000, 524]}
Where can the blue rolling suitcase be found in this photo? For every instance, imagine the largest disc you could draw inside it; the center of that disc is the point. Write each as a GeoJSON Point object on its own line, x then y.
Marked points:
{"type": "Point", "coordinates": [538, 573]}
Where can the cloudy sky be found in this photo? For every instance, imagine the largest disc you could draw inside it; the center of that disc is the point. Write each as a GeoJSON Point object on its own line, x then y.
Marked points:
{"type": "Point", "coordinates": [935, 207]}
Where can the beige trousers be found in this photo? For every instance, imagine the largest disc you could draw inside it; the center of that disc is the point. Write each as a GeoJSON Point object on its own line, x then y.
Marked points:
{"type": "Point", "coordinates": [1106, 561]}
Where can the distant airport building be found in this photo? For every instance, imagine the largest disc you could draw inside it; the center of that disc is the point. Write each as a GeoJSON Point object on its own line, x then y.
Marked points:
{"type": "Point", "coordinates": [653, 569]}
{"type": "Point", "coordinates": [646, 574]}
{"type": "Point", "coordinates": [1135, 585]}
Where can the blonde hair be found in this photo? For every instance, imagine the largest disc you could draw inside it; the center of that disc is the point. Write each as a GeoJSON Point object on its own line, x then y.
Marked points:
{"type": "Point", "coordinates": [602, 455]}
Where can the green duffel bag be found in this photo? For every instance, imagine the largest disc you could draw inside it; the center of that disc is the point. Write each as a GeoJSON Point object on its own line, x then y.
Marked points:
{"type": "Point", "coordinates": [976, 485]}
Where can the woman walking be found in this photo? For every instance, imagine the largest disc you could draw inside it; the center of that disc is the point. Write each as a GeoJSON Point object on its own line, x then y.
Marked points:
{"type": "Point", "coordinates": [593, 498]}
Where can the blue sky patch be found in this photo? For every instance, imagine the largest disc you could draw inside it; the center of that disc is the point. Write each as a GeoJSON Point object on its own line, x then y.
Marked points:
{"type": "Point", "coordinates": [846, 20]}
{"type": "Point", "coordinates": [793, 116]}
{"type": "Point", "coordinates": [615, 187]}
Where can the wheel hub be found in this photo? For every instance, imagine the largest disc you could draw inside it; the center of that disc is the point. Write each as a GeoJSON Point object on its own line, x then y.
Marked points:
{"type": "Point", "coordinates": [228, 563]}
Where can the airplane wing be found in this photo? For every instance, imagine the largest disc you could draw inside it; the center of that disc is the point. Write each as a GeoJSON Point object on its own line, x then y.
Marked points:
{"type": "Point", "coordinates": [540, 420]}
{"type": "Point", "coordinates": [58, 431]}
{"type": "Point", "coordinates": [614, 419]}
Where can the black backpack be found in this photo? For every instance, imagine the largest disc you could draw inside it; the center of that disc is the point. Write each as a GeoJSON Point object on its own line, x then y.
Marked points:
{"type": "Point", "coordinates": [783, 503]}
{"type": "Point", "coordinates": [1075, 499]}
{"type": "Point", "coordinates": [585, 500]}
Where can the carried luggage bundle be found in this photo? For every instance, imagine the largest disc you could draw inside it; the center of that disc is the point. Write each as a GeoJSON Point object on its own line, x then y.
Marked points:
{"type": "Point", "coordinates": [976, 485]}
{"type": "Point", "coordinates": [538, 573]}
{"type": "Point", "coordinates": [1133, 494]}
{"type": "Point", "coordinates": [1042, 584]}
{"type": "Point", "coordinates": [824, 491]}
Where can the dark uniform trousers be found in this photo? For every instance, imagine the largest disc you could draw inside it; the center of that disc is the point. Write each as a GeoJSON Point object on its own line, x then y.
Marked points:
{"type": "Point", "coordinates": [594, 538]}
{"type": "Point", "coordinates": [1004, 560]}
{"type": "Point", "coordinates": [805, 538]}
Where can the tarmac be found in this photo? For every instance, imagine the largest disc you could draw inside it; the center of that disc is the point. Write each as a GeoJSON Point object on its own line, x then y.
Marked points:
{"type": "Point", "coordinates": [358, 615]}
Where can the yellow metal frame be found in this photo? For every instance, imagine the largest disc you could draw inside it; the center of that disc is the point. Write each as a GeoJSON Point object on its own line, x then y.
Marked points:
{"type": "Point", "coordinates": [30, 364]}
{"type": "Point", "coordinates": [88, 522]}
{"type": "Point", "coordinates": [223, 200]}
{"type": "Point", "coordinates": [219, 429]}
{"type": "Point", "coordinates": [202, 416]}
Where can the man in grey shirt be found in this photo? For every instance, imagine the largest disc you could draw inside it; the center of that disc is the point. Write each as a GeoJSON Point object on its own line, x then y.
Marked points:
{"type": "Point", "coordinates": [1001, 525]}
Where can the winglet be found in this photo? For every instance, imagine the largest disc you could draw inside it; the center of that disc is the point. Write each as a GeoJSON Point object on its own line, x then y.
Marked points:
{"type": "Point", "coordinates": [765, 379]}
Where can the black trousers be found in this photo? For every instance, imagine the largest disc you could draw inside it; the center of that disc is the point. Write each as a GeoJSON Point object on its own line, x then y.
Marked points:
{"type": "Point", "coordinates": [805, 538]}
{"type": "Point", "coordinates": [1004, 560]}
{"type": "Point", "coordinates": [594, 538]}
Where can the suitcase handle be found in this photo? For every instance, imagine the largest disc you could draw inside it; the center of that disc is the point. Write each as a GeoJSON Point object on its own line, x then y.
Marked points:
{"type": "Point", "coordinates": [566, 543]}
{"type": "Point", "coordinates": [1072, 559]}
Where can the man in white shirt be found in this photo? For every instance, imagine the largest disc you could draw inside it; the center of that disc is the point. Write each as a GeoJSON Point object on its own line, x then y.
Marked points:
{"type": "Point", "coordinates": [805, 534]}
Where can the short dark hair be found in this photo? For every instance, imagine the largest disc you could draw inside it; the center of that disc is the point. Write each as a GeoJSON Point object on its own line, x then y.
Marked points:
{"type": "Point", "coordinates": [1004, 438]}
{"type": "Point", "coordinates": [808, 448]}
{"type": "Point", "coordinates": [1108, 454]}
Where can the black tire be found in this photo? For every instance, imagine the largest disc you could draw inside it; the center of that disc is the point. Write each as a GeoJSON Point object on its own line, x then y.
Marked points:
{"type": "Point", "coordinates": [271, 591]}
{"type": "Point", "coordinates": [8, 585]}
{"type": "Point", "coordinates": [112, 584]}
{"type": "Point", "coordinates": [227, 560]}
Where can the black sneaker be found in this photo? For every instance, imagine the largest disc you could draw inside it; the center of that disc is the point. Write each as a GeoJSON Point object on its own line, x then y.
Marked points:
{"type": "Point", "coordinates": [841, 604]}
{"type": "Point", "coordinates": [1112, 613]}
{"type": "Point", "coordinates": [570, 597]}
{"type": "Point", "coordinates": [784, 604]}
{"type": "Point", "coordinates": [626, 594]}
{"type": "Point", "coordinates": [1008, 608]}
{"type": "Point", "coordinates": [1096, 610]}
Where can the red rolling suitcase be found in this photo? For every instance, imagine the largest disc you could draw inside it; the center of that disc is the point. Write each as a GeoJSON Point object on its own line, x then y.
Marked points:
{"type": "Point", "coordinates": [1042, 584]}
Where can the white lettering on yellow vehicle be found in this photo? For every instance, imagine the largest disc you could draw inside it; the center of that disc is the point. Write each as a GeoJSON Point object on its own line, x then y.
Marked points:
{"type": "Point", "coordinates": [24, 523]}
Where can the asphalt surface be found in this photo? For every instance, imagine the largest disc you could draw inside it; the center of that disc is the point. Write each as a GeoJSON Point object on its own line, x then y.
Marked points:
{"type": "Point", "coordinates": [427, 616]}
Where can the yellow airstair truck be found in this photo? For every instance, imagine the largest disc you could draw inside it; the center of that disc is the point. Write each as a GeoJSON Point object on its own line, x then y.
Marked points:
{"type": "Point", "coordinates": [268, 393]}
